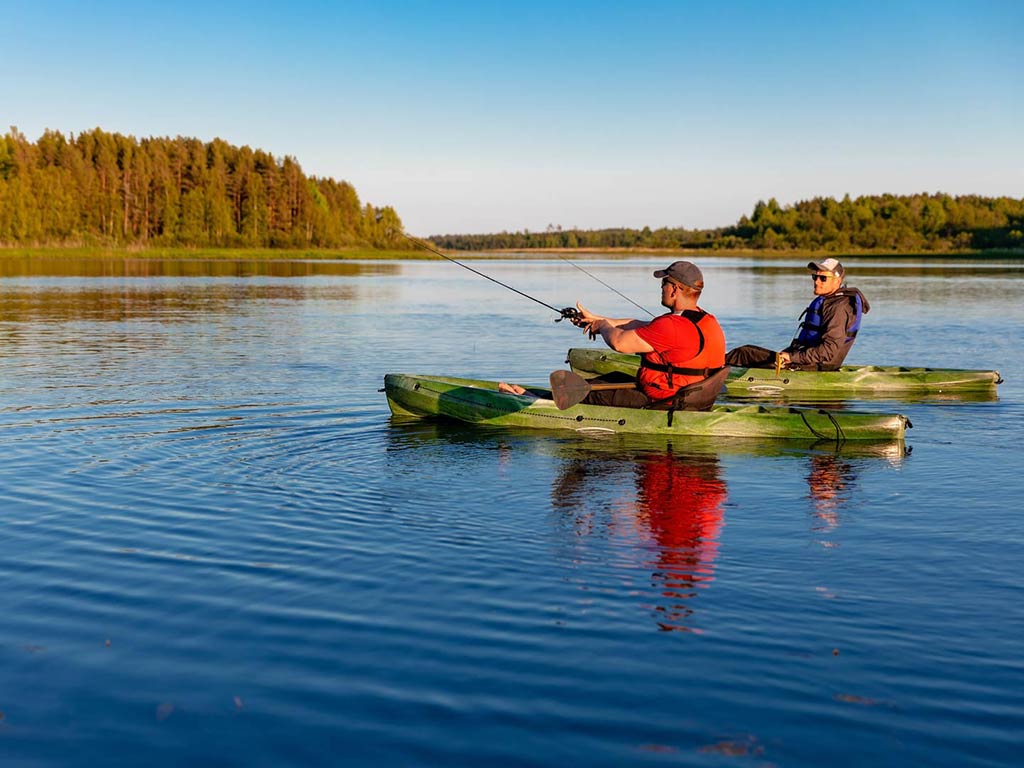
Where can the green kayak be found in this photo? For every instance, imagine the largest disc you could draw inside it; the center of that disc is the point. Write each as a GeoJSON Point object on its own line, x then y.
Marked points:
{"type": "Point", "coordinates": [480, 402]}
{"type": "Point", "coordinates": [569, 446]}
{"type": "Point", "coordinates": [848, 381]}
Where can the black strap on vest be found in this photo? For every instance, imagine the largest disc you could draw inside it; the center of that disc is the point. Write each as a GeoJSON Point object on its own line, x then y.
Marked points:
{"type": "Point", "coordinates": [694, 316]}
{"type": "Point", "coordinates": [699, 396]}
{"type": "Point", "coordinates": [670, 369]}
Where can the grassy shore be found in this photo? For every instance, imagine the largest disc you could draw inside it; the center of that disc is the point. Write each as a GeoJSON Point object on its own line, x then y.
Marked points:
{"type": "Point", "coordinates": [232, 254]}
{"type": "Point", "coordinates": [354, 254]}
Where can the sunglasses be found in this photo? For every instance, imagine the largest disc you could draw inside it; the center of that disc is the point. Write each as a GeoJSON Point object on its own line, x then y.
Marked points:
{"type": "Point", "coordinates": [822, 278]}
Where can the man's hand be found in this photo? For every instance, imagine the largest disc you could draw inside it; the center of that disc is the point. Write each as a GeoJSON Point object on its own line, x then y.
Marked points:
{"type": "Point", "coordinates": [588, 321]}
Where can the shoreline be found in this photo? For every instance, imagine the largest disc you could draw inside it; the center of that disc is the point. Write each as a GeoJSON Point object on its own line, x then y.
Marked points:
{"type": "Point", "coordinates": [8, 252]}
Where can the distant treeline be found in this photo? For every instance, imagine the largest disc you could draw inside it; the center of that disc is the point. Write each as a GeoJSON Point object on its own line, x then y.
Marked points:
{"type": "Point", "coordinates": [101, 188]}
{"type": "Point", "coordinates": [892, 223]}
{"type": "Point", "coordinates": [109, 189]}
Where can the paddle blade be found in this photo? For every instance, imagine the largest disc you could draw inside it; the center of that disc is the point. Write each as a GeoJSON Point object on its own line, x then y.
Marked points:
{"type": "Point", "coordinates": [568, 389]}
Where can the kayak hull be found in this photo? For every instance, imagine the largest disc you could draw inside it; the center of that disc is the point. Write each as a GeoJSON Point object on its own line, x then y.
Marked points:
{"type": "Point", "coordinates": [479, 402]}
{"type": "Point", "coordinates": [568, 445]}
{"type": "Point", "coordinates": [848, 381]}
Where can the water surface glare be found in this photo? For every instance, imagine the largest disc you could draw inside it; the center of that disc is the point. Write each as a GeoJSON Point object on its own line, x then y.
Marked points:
{"type": "Point", "coordinates": [219, 549]}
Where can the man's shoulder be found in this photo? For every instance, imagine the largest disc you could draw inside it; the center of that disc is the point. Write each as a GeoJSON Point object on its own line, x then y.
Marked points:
{"type": "Point", "coordinates": [704, 313]}
{"type": "Point", "coordinates": [844, 297]}
{"type": "Point", "coordinates": [670, 322]}
{"type": "Point", "coordinates": [687, 317]}
{"type": "Point", "coordinates": [856, 296]}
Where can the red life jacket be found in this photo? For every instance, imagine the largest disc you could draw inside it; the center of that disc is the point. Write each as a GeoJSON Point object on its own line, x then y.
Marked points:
{"type": "Point", "coordinates": [662, 374]}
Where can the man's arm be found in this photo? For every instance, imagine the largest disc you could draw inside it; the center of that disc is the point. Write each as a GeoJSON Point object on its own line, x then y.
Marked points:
{"type": "Point", "coordinates": [618, 333]}
{"type": "Point", "coordinates": [622, 339]}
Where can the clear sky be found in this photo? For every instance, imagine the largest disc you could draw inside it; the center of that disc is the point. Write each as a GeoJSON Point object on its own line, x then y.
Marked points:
{"type": "Point", "coordinates": [484, 116]}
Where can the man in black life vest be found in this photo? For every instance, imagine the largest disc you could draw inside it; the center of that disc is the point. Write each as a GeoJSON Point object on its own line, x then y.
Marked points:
{"type": "Point", "coordinates": [828, 327]}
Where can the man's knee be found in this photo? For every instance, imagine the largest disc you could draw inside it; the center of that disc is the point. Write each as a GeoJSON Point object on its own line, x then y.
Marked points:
{"type": "Point", "coordinates": [750, 356]}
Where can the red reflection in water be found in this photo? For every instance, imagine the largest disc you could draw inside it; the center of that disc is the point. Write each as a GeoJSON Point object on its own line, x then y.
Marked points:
{"type": "Point", "coordinates": [679, 503]}
{"type": "Point", "coordinates": [671, 517]}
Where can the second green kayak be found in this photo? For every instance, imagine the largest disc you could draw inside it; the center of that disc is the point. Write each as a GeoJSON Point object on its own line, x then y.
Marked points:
{"type": "Point", "coordinates": [848, 381]}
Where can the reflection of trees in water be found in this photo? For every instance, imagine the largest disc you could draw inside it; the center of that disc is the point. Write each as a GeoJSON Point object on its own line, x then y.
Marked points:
{"type": "Point", "coordinates": [67, 264]}
{"type": "Point", "coordinates": [170, 300]}
{"type": "Point", "coordinates": [673, 511]}
{"type": "Point", "coordinates": [150, 302]}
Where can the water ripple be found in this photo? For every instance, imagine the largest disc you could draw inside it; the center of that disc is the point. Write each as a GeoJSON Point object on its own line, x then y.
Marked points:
{"type": "Point", "coordinates": [219, 549]}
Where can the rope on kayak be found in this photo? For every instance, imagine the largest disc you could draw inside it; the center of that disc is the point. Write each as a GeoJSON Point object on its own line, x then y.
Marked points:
{"type": "Point", "coordinates": [840, 435]}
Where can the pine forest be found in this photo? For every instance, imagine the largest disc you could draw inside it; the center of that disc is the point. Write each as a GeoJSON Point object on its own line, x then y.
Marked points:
{"type": "Point", "coordinates": [106, 189]}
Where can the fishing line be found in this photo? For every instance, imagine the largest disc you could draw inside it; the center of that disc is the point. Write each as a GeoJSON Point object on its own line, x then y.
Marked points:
{"type": "Point", "coordinates": [602, 282]}
{"type": "Point", "coordinates": [568, 313]}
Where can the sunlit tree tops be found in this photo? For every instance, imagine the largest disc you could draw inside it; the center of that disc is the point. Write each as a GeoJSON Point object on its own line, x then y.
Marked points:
{"type": "Point", "coordinates": [888, 223]}
{"type": "Point", "coordinates": [106, 188]}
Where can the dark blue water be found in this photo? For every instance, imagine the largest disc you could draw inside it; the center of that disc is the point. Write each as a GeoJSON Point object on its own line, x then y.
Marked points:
{"type": "Point", "coordinates": [216, 547]}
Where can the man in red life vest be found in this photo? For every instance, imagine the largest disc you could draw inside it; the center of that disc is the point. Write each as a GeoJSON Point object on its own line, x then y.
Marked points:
{"type": "Point", "coordinates": [682, 350]}
{"type": "Point", "coordinates": [827, 329]}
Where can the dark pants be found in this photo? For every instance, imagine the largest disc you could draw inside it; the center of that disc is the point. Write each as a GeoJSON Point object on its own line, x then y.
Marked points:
{"type": "Point", "coordinates": [750, 356]}
{"type": "Point", "coordinates": [621, 398]}
{"type": "Point", "coordinates": [699, 396]}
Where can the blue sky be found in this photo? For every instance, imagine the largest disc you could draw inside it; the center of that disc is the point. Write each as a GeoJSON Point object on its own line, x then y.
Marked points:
{"type": "Point", "coordinates": [484, 116]}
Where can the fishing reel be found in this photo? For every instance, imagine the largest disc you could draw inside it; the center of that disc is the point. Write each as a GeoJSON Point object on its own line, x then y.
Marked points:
{"type": "Point", "coordinates": [569, 313]}
{"type": "Point", "coordinates": [572, 315]}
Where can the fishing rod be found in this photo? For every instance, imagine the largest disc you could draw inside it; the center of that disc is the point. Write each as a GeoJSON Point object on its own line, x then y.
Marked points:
{"type": "Point", "coordinates": [568, 313]}
{"type": "Point", "coordinates": [602, 282]}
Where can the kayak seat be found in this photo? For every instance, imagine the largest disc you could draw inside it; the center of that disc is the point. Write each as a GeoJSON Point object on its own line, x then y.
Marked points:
{"type": "Point", "coordinates": [699, 396]}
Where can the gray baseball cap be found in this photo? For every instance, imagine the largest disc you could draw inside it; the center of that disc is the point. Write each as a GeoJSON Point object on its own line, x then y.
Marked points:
{"type": "Point", "coordinates": [684, 272]}
{"type": "Point", "coordinates": [827, 265]}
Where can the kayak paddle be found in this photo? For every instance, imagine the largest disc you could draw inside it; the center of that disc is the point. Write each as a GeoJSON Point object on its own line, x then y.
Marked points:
{"type": "Point", "coordinates": [568, 388]}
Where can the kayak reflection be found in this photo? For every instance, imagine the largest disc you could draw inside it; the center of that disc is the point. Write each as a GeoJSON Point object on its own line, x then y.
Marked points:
{"type": "Point", "coordinates": [634, 517]}
{"type": "Point", "coordinates": [674, 519]}
{"type": "Point", "coordinates": [831, 482]}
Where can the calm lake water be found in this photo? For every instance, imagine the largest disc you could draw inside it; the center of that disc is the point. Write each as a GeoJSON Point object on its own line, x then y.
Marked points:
{"type": "Point", "coordinates": [218, 549]}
